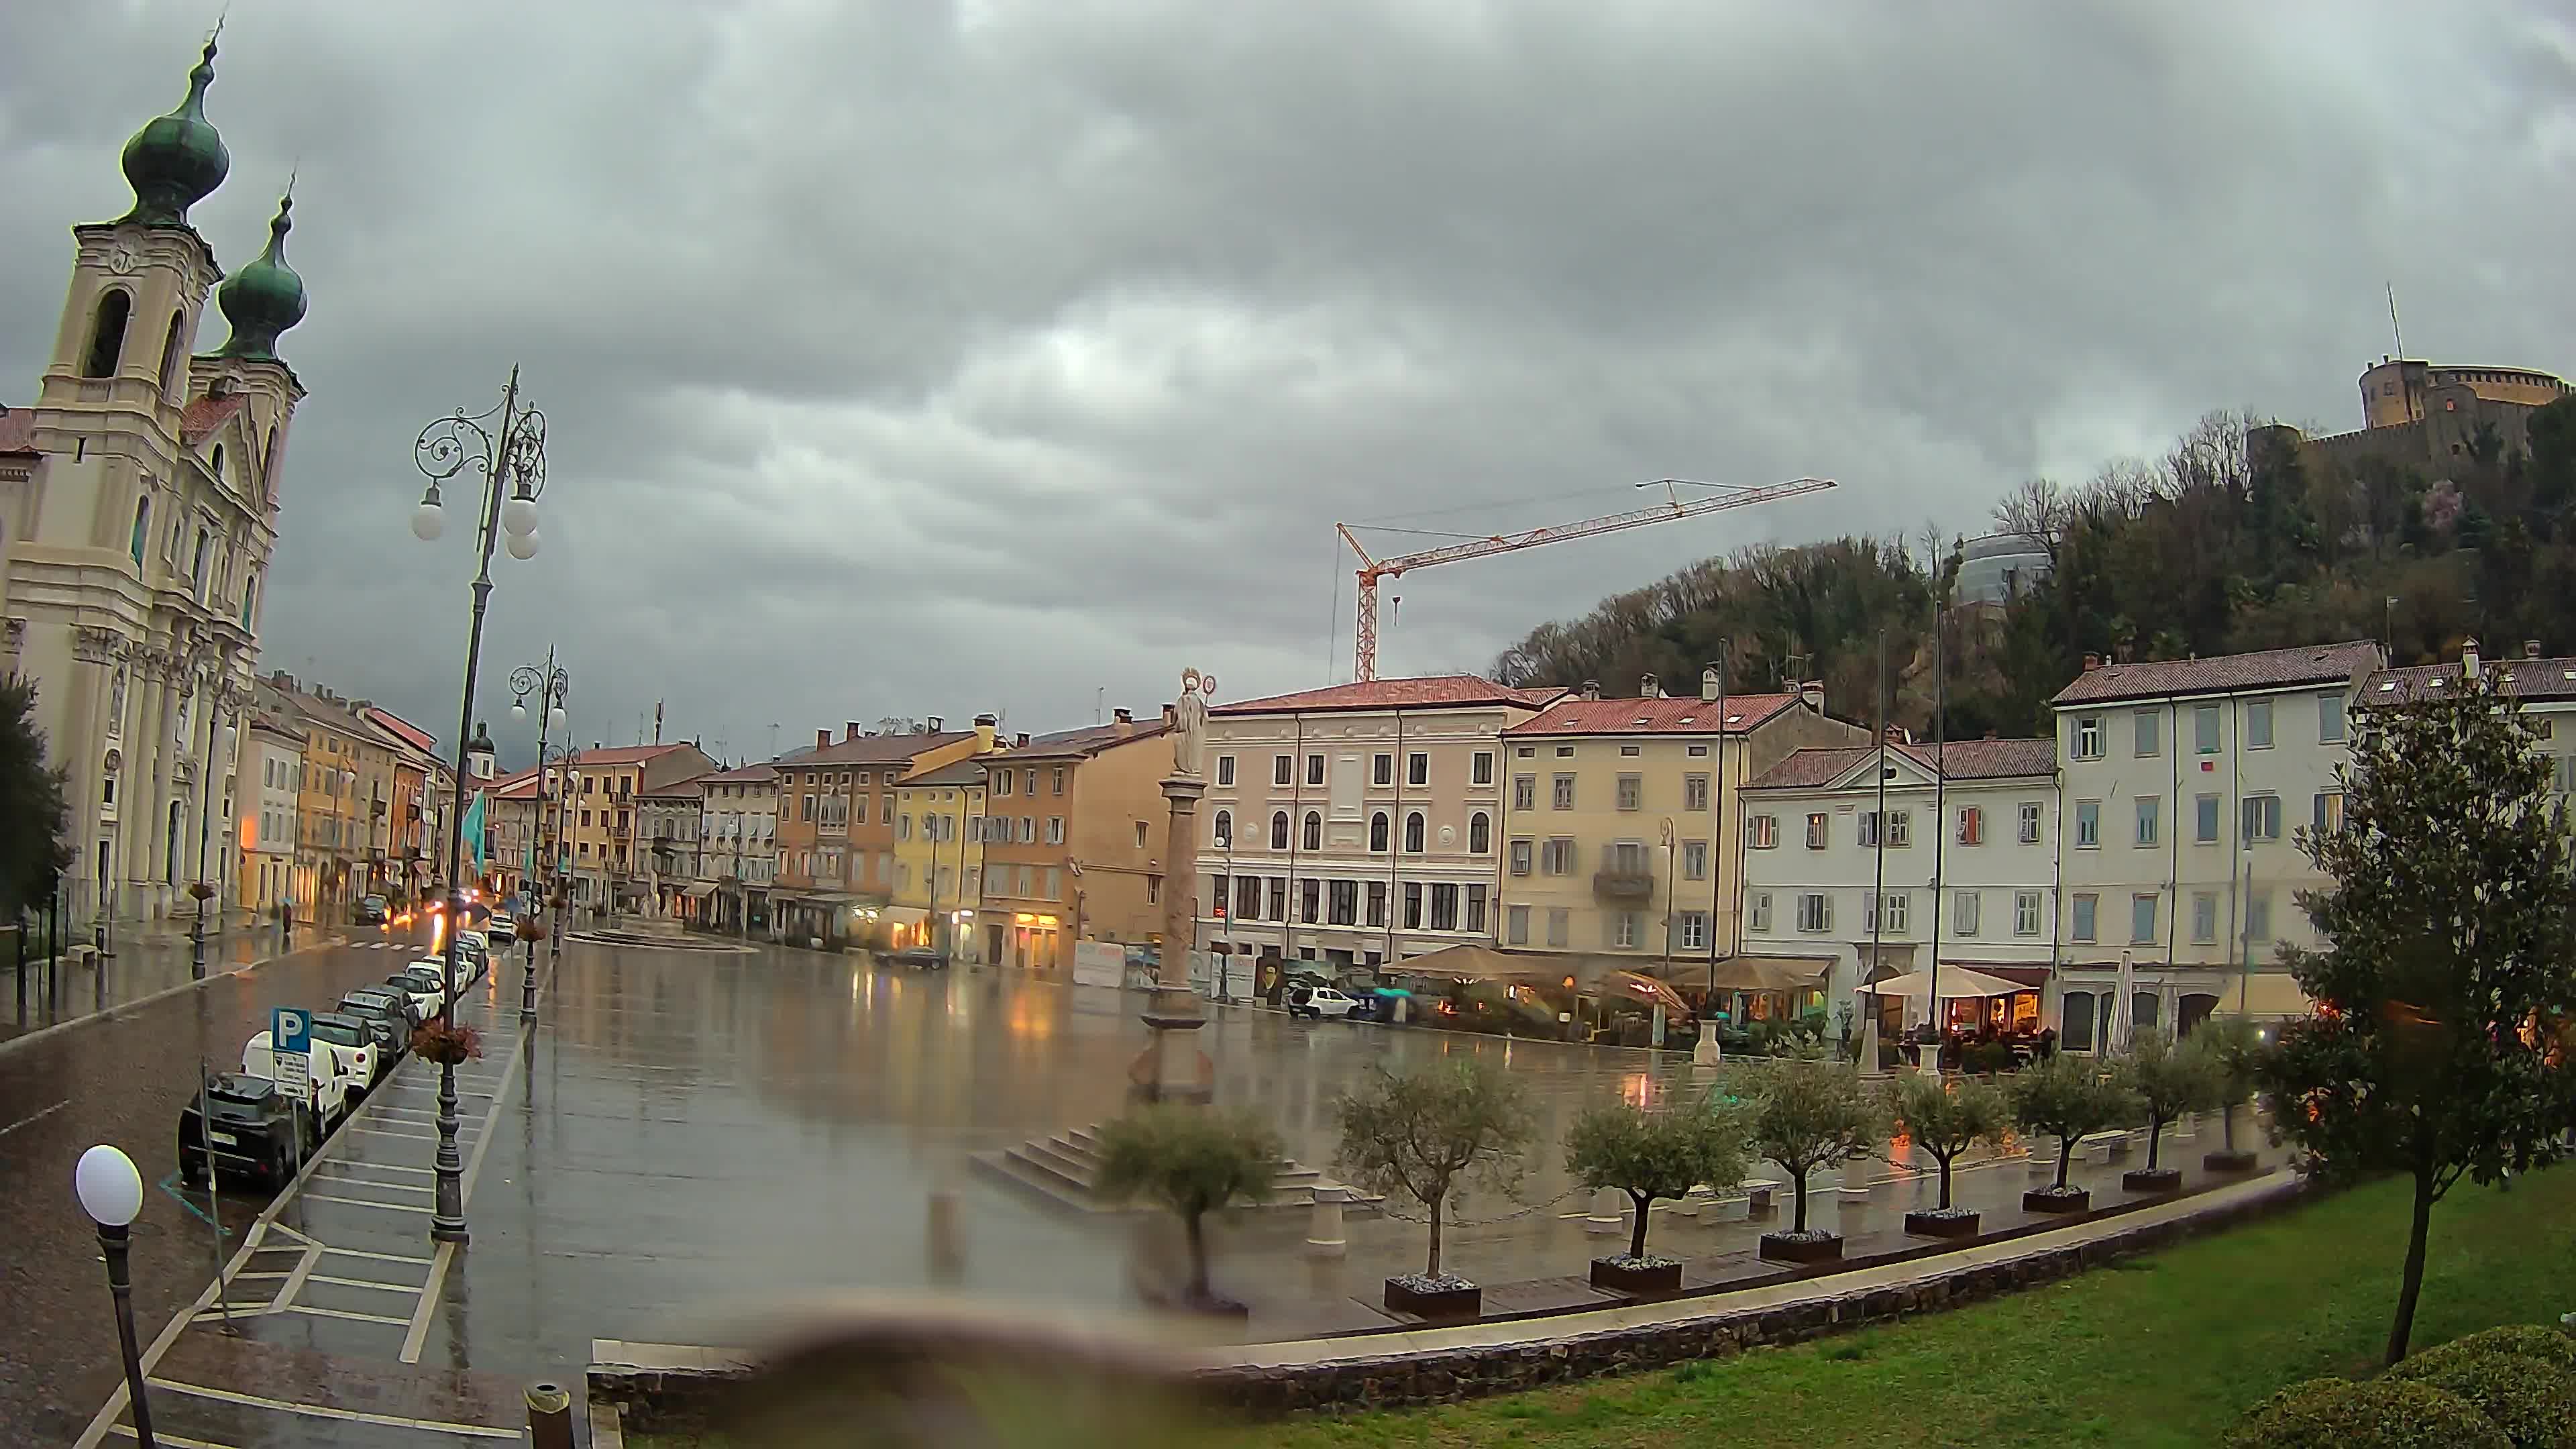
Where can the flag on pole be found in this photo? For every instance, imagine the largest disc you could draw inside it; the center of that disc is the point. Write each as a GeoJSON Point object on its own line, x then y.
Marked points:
{"type": "Point", "coordinates": [474, 831]}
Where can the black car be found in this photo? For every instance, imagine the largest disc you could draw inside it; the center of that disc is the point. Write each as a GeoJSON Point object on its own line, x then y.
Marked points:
{"type": "Point", "coordinates": [388, 1005]}
{"type": "Point", "coordinates": [373, 911]}
{"type": "Point", "coordinates": [919, 958]}
{"type": "Point", "coordinates": [257, 1132]}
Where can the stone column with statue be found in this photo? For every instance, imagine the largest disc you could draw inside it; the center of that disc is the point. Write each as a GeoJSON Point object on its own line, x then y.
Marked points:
{"type": "Point", "coordinates": [1172, 1067]}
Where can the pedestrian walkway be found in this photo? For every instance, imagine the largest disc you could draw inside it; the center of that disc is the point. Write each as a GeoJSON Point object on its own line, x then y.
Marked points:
{"type": "Point", "coordinates": [87, 985]}
{"type": "Point", "coordinates": [314, 1332]}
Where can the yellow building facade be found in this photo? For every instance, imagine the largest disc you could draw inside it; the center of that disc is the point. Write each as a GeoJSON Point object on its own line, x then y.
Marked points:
{"type": "Point", "coordinates": [1621, 826]}
{"type": "Point", "coordinates": [938, 857]}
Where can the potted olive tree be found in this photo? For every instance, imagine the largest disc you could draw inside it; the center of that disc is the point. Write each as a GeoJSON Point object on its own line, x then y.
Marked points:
{"type": "Point", "coordinates": [1945, 1119]}
{"type": "Point", "coordinates": [1651, 1155]}
{"type": "Point", "coordinates": [1805, 1113]}
{"type": "Point", "coordinates": [1190, 1161]}
{"type": "Point", "coordinates": [2068, 1098]}
{"type": "Point", "coordinates": [2167, 1079]}
{"type": "Point", "coordinates": [2235, 1048]}
{"type": "Point", "coordinates": [1424, 1134]}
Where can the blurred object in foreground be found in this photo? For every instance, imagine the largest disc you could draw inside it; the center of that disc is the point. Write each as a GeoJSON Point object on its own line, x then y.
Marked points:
{"type": "Point", "coordinates": [921, 1373]}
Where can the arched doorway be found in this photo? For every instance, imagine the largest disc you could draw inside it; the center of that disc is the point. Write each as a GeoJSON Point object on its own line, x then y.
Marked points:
{"type": "Point", "coordinates": [2075, 1021]}
{"type": "Point", "coordinates": [2196, 1007]}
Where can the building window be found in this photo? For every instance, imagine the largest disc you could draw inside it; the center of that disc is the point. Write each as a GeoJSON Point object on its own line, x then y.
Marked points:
{"type": "Point", "coordinates": [1868, 829]}
{"type": "Point", "coordinates": [2142, 920]}
{"type": "Point", "coordinates": [1314, 769]}
{"type": "Point", "coordinates": [1343, 904]}
{"type": "Point", "coordinates": [1963, 912]}
{"type": "Point", "coordinates": [2149, 745]}
{"type": "Point", "coordinates": [1382, 769]}
{"type": "Point", "coordinates": [1224, 773]}
{"type": "Point", "coordinates": [2258, 724]}
{"type": "Point", "coordinates": [1310, 900]}
{"type": "Point", "coordinates": [1279, 830]}
{"type": "Point", "coordinates": [142, 526]}
{"type": "Point", "coordinates": [2088, 824]}
{"type": "Point", "coordinates": [1900, 827]}
{"type": "Point", "coordinates": [1516, 926]}
{"type": "Point", "coordinates": [1417, 768]}
{"type": "Point", "coordinates": [2204, 819]}
{"type": "Point", "coordinates": [2087, 906]}
{"type": "Point", "coordinates": [1694, 860]}
{"type": "Point", "coordinates": [1378, 833]}
{"type": "Point", "coordinates": [1055, 829]}
{"type": "Point", "coordinates": [1480, 833]}
{"type": "Point", "coordinates": [2329, 719]}
{"type": "Point", "coordinates": [1525, 792]}
{"type": "Point", "coordinates": [1056, 782]}
{"type": "Point", "coordinates": [1558, 857]}
{"type": "Point", "coordinates": [1565, 752]}
{"type": "Point", "coordinates": [2025, 913]}
{"type": "Point", "coordinates": [2088, 737]}
{"type": "Point", "coordinates": [1757, 907]}
{"type": "Point", "coordinates": [1762, 832]}
{"type": "Point", "coordinates": [2149, 816]}
{"type": "Point", "coordinates": [2204, 729]}
{"type": "Point", "coordinates": [1623, 930]}
{"type": "Point", "coordinates": [1278, 899]}
{"type": "Point", "coordinates": [1815, 911]}
{"type": "Point", "coordinates": [1444, 907]}
{"type": "Point", "coordinates": [1283, 769]}
{"type": "Point", "coordinates": [1972, 825]}
{"type": "Point", "coordinates": [1563, 796]}
{"type": "Point", "coordinates": [2328, 814]}
{"type": "Point", "coordinates": [1481, 768]}
{"type": "Point", "coordinates": [1521, 851]}
{"type": "Point", "coordinates": [1632, 792]}
{"type": "Point", "coordinates": [1818, 828]}
{"type": "Point", "coordinates": [2262, 817]}
{"type": "Point", "coordinates": [1694, 792]}
{"type": "Point", "coordinates": [2030, 822]}
{"type": "Point", "coordinates": [2204, 917]}
{"type": "Point", "coordinates": [1376, 903]}
{"type": "Point", "coordinates": [1413, 832]}
{"type": "Point", "coordinates": [1314, 832]}
{"type": "Point", "coordinates": [1897, 906]}
{"type": "Point", "coordinates": [1413, 905]}
{"type": "Point", "coordinates": [1560, 925]}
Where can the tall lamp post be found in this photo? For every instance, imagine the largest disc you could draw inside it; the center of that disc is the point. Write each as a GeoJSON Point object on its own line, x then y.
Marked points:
{"type": "Point", "coordinates": [507, 446]}
{"type": "Point", "coordinates": [111, 1192]}
{"type": "Point", "coordinates": [205, 670]}
{"type": "Point", "coordinates": [551, 685]}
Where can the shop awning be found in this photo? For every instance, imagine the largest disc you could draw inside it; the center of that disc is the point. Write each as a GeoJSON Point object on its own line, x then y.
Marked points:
{"type": "Point", "coordinates": [2266, 994]}
{"type": "Point", "coordinates": [1956, 982]}
{"type": "Point", "coordinates": [903, 915]}
{"type": "Point", "coordinates": [1764, 973]}
{"type": "Point", "coordinates": [700, 890]}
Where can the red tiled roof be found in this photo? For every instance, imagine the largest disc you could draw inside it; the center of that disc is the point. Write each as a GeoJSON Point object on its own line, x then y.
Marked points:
{"type": "Point", "coordinates": [401, 729]}
{"type": "Point", "coordinates": [2266, 669]}
{"type": "Point", "coordinates": [2535, 679]}
{"type": "Point", "coordinates": [621, 755]}
{"type": "Point", "coordinates": [1088, 740]}
{"type": "Point", "coordinates": [746, 774]}
{"type": "Point", "coordinates": [200, 418]}
{"type": "Point", "coordinates": [1661, 715]}
{"type": "Point", "coordinates": [881, 749]}
{"type": "Point", "coordinates": [1966, 760]}
{"type": "Point", "coordinates": [17, 430]}
{"type": "Point", "coordinates": [1436, 691]}
{"type": "Point", "coordinates": [521, 786]}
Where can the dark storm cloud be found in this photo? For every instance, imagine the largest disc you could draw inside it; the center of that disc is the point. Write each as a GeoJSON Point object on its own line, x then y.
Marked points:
{"type": "Point", "coordinates": [915, 359]}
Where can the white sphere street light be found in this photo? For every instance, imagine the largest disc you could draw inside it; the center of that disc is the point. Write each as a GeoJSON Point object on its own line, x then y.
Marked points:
{"type": "Point", "coordinates": [111, 1192]}
{"type": "Point", "coordinates": [429, 520]}
{"type": "Point", "coordinates": [523, 546]}
{"type": "Point", "coordinates": [519, 513]}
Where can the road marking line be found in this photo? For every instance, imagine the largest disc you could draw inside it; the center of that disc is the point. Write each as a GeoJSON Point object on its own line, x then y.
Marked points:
{"type": "Point", "coordinates": [33, 1116]}
{"type": "Point", "coordinates": [327, 1411]}
{"type": "Point", "coordinates": [307, 1308]}
{"type": "Point", "coordinates": [391, 1207]}
{"type": "Point", "coordinates": [171, 1439]}
{"type": "Point", "coordinates": [419, 1330]}
{"type": "Point", "coordinates": [364, 1283]}
{"type": "Point", "coordinates": [378, 1257]}
{"type": "Point", "coordinates": [414, 1136]}
{"type": "Point", "coordinates": [294, 1283]}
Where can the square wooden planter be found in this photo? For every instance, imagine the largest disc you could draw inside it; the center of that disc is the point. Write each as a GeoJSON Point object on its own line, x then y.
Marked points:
{"type": "Point", "coordinates": [1464, 1302]}
{"type": "Point", "coordinates": [2041, 1200]}
{"type": "Point", "coordinates": [1617, 1276]}
{"type": "Point", "coordinates": [1941, 1225]}
{"type": "Point", "coordinates": [1783, 1248]}
{"type": "Point", "coordinates": [2237, 1161]}
{"type": "Point", "coordinates": [2156, 1179]}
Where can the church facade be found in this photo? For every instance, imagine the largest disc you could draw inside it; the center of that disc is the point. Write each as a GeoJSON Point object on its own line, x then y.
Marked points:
{"type": "Point", "coordinates": [140, 499]}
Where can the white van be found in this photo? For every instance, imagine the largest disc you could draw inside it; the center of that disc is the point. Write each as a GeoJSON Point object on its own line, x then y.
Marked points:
{"type": "Point", "coordinates": [331, 1082]}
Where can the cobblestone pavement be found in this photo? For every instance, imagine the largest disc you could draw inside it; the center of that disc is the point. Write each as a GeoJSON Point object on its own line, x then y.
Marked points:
{"type": "Point", "coordinates": [691, 1142]}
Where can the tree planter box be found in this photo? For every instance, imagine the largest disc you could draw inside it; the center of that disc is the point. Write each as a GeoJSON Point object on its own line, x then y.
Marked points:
{"type": "Point", "coordinates": [2042, 1200]}
{"type": "Point", "coordinates": [2157, 1179]}
{"type": "Point", "coordinates": [1792, 1248]}
{"type": "Point", "coordinates": [1465, 1300]}
{"type": "Point", "coordinates": [1627, 1275]}
{"type": "Point", "coordinates": [1937, 1224]}
{"type": "Point", "coordinates": [2237, 1161]}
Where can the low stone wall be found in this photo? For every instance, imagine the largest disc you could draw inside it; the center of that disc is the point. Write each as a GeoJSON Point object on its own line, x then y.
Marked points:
{"type": "Point", "coordinates": [671, 1389]}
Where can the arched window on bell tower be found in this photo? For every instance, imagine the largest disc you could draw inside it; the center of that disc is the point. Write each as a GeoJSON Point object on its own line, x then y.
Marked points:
{"type": "Point", "coordinates": [173, 350]}
{"type": "Point", "coordinates": [107, 332]}
{"type": "Point", "coordinates": [142, 526]}
{"type": "Point", "coordinates": [218, 467]}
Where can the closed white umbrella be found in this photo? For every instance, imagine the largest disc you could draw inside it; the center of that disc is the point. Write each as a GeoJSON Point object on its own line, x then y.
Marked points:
{"type": "Point", "coordinates": [2121, 1014]}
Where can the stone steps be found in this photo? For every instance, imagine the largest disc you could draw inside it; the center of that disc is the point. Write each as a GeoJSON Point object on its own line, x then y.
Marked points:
{"type": "Point", "coordinates": [1063, 1169]}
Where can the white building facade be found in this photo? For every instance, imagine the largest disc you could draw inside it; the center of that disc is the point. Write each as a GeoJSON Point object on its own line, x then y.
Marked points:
{"type": "Point", "coordinates": [2182, 785]}
{"type": "Point", "coordinates": [271, 753]}
{"type": "Point", "coordinates": [1961, 867]}
{"type": "Point", "coordinates": [738, 858]}
{"type": "Point", "coordinates": [1293, 863]}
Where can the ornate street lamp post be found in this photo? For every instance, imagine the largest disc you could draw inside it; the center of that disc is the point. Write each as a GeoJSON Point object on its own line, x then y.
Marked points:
{"type": "Point", "coordinates": [552, 686]}
{"type": "Point", "coordinates": [507, 446]}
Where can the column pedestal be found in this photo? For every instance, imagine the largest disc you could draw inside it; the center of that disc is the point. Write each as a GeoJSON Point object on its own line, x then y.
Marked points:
{"type": "Point", "coordinates": [1172, 1068]}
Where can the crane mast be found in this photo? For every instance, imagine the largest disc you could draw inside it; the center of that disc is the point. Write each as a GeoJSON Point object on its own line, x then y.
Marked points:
{"type": "Point", "coordinates": [1673, 508]}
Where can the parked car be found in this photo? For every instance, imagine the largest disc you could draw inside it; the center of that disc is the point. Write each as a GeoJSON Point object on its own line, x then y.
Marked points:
{"type": "Point", "coordinates": [1319, 1002]}
{"type": "Point", "coordinates": [374, 911]}
{"type": "Point", "coordinates": [473, 956]}
{"type": "Point", "coordinates": [919, 958]}
{"type": "Point", "coordinates": [327, 1080]}
{"type": "Point", "coordinates": [354, 1042]}
{"type": "Point", "coordinates": [421, 979]}
{"type": "Point", "coordinates": [503, 927]}
{"type": "Point", "coordinates": [257, 1131]}
{"type": "Point", "coordinates": [386, 1012]}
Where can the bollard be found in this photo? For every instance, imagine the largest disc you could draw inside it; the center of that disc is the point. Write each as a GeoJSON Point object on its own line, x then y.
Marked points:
{"type": "Point", "coordinates": [549, 1417]}
{"type": "Point", "coordinates": [1324, 1238]}
{"type": "Point", "coordinates": [1609, 1210]}
{"type": "Point", "coordinates": [947, 1238]}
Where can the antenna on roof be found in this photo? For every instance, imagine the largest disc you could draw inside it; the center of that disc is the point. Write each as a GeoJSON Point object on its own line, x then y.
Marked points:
{"type": "Point", "coordinates": [2395, 331]}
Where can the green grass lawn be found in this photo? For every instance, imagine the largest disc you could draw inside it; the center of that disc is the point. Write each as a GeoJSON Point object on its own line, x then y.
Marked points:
{"type": "Point", "coordinates": [2161, 1350]}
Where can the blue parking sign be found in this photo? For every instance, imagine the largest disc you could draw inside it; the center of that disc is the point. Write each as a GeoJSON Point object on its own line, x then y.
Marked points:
{"type": "Point", "coordinates": [290, 1029]}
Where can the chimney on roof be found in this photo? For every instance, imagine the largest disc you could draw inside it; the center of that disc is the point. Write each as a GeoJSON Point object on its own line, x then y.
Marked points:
{"type": "Point", "coordinates": [1171, 715]}
{"type": "Point", "coordinates": [985, 726]}
{"type": "Point", "coordinates": [2469, 658]}
{"type": "Point", "coordinates": [1811, 693]}
{"type": "Point", "coordinates": [2092, 661]}
{"type": "Point", "coordinates": [1708, 685]}
{"type": "Point", "coordinates": [1020, 741]}
{"type": "Point", "coordinates": [1125, 720]}
{"type": "Point", "coordinates": [1650, 687]}
{"type": "Point", "coordinates": [934, 725]}
{"type": "Point", "coordinates": [849, 729]}
{"type": "Point", "coordinates": [822, 739]}
{"type": "Point", "coordinates": [2530, 648]}
{"type": "Point", "coordinates": [1592, 689]}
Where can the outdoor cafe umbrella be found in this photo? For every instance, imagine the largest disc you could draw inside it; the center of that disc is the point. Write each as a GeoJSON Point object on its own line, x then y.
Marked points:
{"type": "Point", "coordinates": [1956, 983]}
{"type": "Point", "coordinates": [2123, 1023]}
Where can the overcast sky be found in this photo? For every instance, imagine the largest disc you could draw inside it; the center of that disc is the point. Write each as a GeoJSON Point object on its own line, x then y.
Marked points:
{"type": "Point", "coordinates": [907, 358]}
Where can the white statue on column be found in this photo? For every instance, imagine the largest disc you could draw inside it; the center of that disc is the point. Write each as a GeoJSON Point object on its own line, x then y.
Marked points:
{"type": "Point", "coordinates": [1189, 721]}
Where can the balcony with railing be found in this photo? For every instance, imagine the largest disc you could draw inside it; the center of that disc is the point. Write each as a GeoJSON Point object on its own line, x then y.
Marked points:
{"type": "Point", "coordinates": [1623, 883]}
